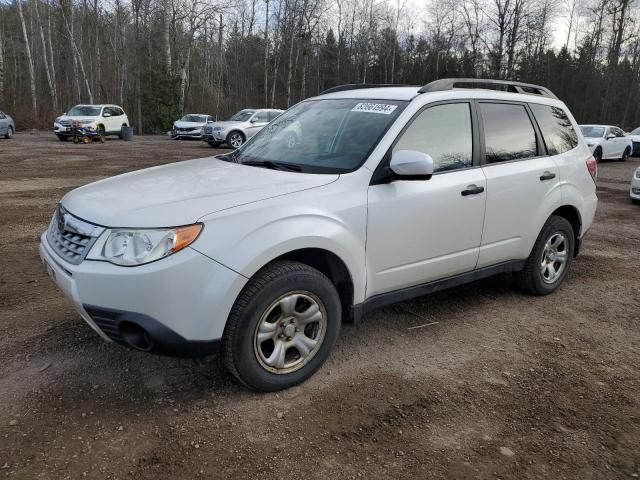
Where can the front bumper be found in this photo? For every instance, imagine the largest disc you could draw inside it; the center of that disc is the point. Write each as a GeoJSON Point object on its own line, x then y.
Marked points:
{"type": "Point", "coordinates": [177, 306]}
{"type": "Point", "coordinates": [194, 133]}
{"type": "Point", "coordinates": [634, 191]}
{"type": "Point", "coordinates": [217, 136]}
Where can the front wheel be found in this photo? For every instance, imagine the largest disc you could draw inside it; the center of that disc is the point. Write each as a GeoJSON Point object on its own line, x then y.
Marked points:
{"type": "Point", "coordinates": [62, 138]}
{"type": "Point", "coordinates": [626, 154]}
{"type": "Point", "coordinates": [549, 261]}
{"type": "Point", "coordinates": [235, 139]}
{"type": "Point", "coordinates": [213, 144]}
{"type": "Point", "coordinates": [282, 327]}
{"type": "Point", "coordinates": [9, 133]}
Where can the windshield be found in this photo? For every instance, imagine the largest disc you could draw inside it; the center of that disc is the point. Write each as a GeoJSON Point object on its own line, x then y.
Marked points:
{"type": "Point", "coordinates": [635, 132]}
{"type": "Point", "coordinates": [242, 116]}
{"type": "Point", "coordinates": [84, 111]}
{"type": "Point", "coordinates": [194, 118]}
{"type": "Point", "coordinates": [593, 132]}
{"type": "Point", "coordinates": [322, 136]}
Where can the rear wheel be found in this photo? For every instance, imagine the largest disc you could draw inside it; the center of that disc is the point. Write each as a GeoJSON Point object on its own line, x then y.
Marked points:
{"type": "Point", "coordinates": [626, 154]}
{"type": "Point", "coordinates": [213, 144]}
{"type": "Point", "coordinates": [282, 326]}
{"type": "Point", "coordinates": [9, 133]}
{"type": "Point", "coordinates": [235, 139]}
{"type": "Point", "coordinates": [549, 261]}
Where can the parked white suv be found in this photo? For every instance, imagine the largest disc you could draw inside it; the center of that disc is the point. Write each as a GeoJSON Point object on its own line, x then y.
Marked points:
{"type": "Point", "coordinates": [390, 193]}
{"type": "Point", "coordinates": [607, 142]}
{"type": "Point", "coordinates": [106, 119]}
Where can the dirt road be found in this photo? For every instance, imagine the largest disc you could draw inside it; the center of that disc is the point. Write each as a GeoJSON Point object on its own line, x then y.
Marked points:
{"type": "Point", "coordinates": [504, 385]}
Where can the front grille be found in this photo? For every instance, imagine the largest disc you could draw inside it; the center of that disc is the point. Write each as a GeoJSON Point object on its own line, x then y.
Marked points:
{"type": "Point", "coordinates": [70, 237]}
{"type": "Point", "coordinates": [635, 191]}
{"type": "Point", "coordinates": [208, 129]}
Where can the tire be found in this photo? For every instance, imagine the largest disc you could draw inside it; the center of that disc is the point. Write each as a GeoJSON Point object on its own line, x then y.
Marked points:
{"type": "Point", "coordinates": [536, 276]}
{"type": "Point", "coordinates": [120, 136]}
{"type": "Point", "coordinates": [213, 144]}
{"type": "Point", "coordinates": [9, 133]}
{"type": "Point", "coordinates": [259, 306]}
{"type": "Point", "coordinates": [635, 201]}
{"type": "Point", "coordinates": [101, 131]}
{"type": "Point", "coordinates": [597, 154]}
{"type": "Point", "coordinates": [235, 139]}
{"type": "Point", "coordinates": [626, 154]}
{"type": "Point", "coordinates": [62, 138]}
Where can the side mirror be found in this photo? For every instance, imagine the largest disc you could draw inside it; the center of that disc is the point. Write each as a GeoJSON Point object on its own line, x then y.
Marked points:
{"type": "Point", "coordinates": [609, 137]}
{"type": "Point", "coordinates": [106, 114]}
{"type": "Point", "coordinates": [253, 120]}
{"type": "Point", "coordinates": [411, 165]}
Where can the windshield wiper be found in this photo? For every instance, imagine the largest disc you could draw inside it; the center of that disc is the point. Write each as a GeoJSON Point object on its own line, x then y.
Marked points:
{"type": "Point", "coordinates": [273, 165]}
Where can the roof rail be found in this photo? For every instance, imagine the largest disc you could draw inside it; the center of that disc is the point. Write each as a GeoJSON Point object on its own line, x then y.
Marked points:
{"type": "Point", "coordinates": [357, 86]}
{"type": "Point", "coordinates": [502, 85]}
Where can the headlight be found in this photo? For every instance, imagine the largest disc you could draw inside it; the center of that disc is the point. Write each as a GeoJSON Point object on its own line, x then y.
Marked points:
{"type": "Point", "coordinates": [638, 173]}
{"type": "Point", "coordinates": [217, 129]}
{"type": "Point", "coordinates": [131, 247]}
{"type": "Point", "coordinates": [57, 120]}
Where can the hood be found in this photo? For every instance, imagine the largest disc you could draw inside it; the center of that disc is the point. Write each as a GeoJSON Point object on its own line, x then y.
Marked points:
{"type": "Point", "coordinates": [76, 117]}
{"type": "Point", "coordinates": [182, 193]}
{"type": "Point", "coordinates": [181, 124]}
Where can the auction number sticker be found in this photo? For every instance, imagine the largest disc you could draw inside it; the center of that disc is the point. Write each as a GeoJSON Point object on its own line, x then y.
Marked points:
{"type": "Point", "coordinates": [382, 108]}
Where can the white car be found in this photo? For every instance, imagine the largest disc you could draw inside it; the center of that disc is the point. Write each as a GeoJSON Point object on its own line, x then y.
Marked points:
{"type": "Point", "coordinates": [263, 252]}
{"type": "Point", "coordinates": [105, 119]}
{"type": "Point", "coordinates": [634, 193]}
{"type": "Point", "coordinates": [607, 142]}
{"type": "Point", "coordinates": [190, 126]}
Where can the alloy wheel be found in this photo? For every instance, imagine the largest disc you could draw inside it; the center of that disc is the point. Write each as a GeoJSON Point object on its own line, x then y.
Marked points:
{"type": "Point", "coordinates": [554, 258]}
{"type": "Point", "coordinates": [290, 332]}
{"type": "Point", "coordinates": [236, 140]}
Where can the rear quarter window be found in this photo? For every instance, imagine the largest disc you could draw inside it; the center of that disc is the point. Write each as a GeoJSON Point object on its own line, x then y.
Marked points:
{"type": "Point", "coordinates": [557, 130]}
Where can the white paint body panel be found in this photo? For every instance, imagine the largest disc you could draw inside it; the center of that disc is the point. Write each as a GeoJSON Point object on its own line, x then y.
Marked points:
{"type": "Point", "coordinates": [420, 231]}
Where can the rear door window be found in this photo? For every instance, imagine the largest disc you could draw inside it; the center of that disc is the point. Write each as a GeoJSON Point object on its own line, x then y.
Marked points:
{"type": "Point", "coordinates": [508, 132]}
{"type": "Point", "coordinates": [557, 131]}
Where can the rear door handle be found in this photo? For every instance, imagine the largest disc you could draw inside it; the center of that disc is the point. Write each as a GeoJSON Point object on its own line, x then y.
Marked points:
{"type": "Point", "coordinates": [547, 176]}
{"type": "Point", "coordinates": [472, 190]}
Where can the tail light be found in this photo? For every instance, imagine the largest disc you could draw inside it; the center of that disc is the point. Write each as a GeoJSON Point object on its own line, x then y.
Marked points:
{"type": "Point", "coordinates": [592, 166]}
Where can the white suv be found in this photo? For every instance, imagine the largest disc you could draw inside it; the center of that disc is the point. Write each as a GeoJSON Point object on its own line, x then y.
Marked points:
{"type": "Point", "coordinates": [105, 119]}
{"type": "Point", "coordinates": [389, 193]}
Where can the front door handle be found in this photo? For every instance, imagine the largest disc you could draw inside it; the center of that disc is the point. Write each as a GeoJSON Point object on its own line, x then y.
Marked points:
{"type": "Point", "coordinates": [472, 189]}
{"type": "Point", "coordinates": [547, 176]}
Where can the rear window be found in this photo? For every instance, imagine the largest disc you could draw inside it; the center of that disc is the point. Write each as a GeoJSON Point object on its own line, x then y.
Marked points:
{"type": "Point", "coordinates": [557, 131]}
{"type": "Point", "coordinates": [508, 133]}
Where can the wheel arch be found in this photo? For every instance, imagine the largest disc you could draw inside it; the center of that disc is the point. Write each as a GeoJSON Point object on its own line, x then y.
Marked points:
{"type": "Point", "coordinates": [235, 130]}
{"type": "Point", "coordinates": [333, 267]}
{"type": "Point", "coordinates": [572, 215]}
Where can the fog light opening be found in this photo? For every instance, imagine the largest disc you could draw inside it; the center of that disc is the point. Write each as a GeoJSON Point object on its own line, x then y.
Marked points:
{"type": "Point", "coordinates": [135, 336]}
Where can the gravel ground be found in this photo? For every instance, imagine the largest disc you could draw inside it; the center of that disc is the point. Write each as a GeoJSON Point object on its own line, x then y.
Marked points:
{"type": "Point", "coordinates": [480, 381]}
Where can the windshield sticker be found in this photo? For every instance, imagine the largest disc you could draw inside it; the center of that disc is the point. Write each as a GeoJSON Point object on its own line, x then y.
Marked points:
{"type": "Point", "coordinates": [382, 108]}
